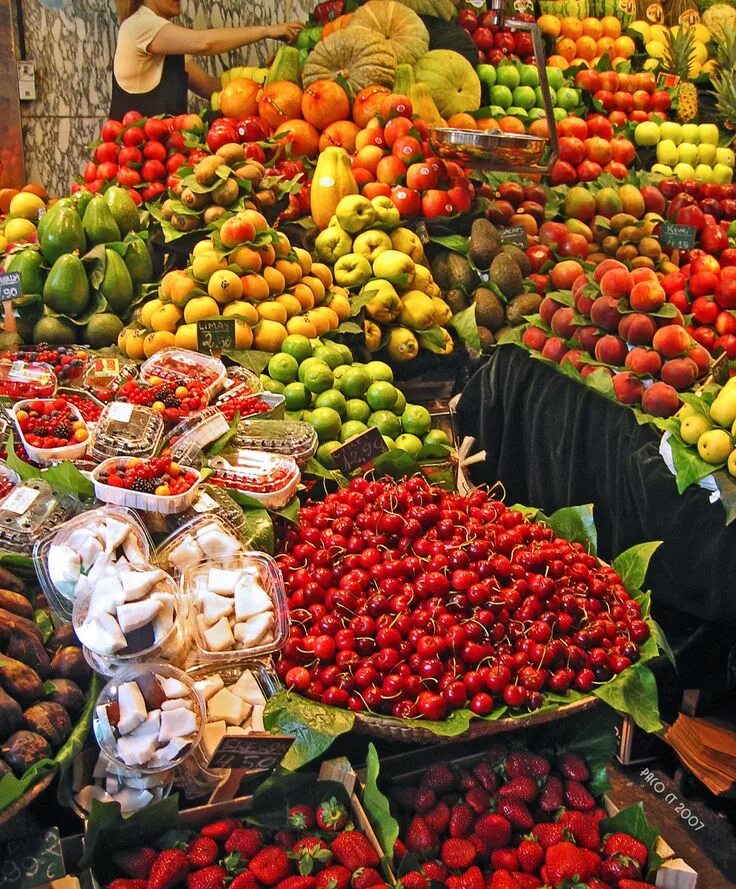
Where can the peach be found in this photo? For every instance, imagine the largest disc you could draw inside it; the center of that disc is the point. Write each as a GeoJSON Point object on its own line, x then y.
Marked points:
{"type": "Point", "coordinates": [637, 329]}
{"type": "Point", "coordinates": [643, 273]}
{"type": "Point", "coordinates": [646, 296]}
{"type": "Point", "coordinates": [671, 341]}
{"type": "Point", "coordinates": [643, 361]}
{"type": "Point", "coordinates": [554, 349]}
{"type": "Point", "coordinates": [579, 283]}
{"type": "Point", "coordinates": [535, 338]}
{"type": "Point", "coordinates": [680, 373]}
{"type": "Point", "coordinates": [611, 350]}
{"type": "Point", "coordinates": [606, 266]}
{"type": "Point", "coordinates": [547, 308]}
{"type": "Point", "coordinates": [617, 283]}
{"type": "Point", "coordinates": [588, 337]}
{"type": "Point", "coordinates": [564, 273]}
{"type": "Point", "coordinates": [628, 387]}
{"type": "Point", "coordinates": [562, 323]}
{"type": "Point", "coordinates": [573, 357]}
{"type": "Point", "coordinates": [583, 302]}
{"type": "Point", "coordinates": [677, 320]}
{"type": "Point", "coordinates": [588, 369]}
{"type": "Point", "coordinates": [660, 400]}
{"type": "Point", "coordinates": [701, 356]}
{"type": "Point", "coordinates": [604, 313]}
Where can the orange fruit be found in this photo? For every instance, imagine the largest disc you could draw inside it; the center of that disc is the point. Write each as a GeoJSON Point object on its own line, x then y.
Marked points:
{"type": "Point", "coordinates": [279, 102]}
{"type": "Point", "coordinates": [586, 48]}
{"type": "Point", "coordinates": [511, 125]}
{"type": "Point", "coordinates": [611, 26]}
{"type": "Point", "coordinates": [291, 271]}
{"type": "Point", "coordinates": [274, 279]}
{"type": "Point", "coordinates": [462, 121]}
{"type": "Point", "coordinates": [605, 45]}
{"type": "Point", "coordinates": [255, 287]}
{"type": "Point", "coordinates": [567, 48]}
{"type": "Point", "coordinates": [592, 27]}
{"type": "Point", "coordinates": [624, 47]}
{"type": "Point", "coordinates": [549, 24]}
{"type": "Point", "coordinates": [558, 61]}
{"type": "Point", "coordinates": [571, 26]}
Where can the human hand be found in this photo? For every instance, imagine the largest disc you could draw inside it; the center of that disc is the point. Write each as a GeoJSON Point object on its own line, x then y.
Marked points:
{"type": "Point", "coordinates": [287, 31]}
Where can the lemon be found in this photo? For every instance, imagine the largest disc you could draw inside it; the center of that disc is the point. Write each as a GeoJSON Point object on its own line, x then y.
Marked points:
{"type": "Point", "coordinates": [379, 370]}
{"type": "Point", "coordinates": [354, 382]}
{"type": "Point", "coordinates": [148, 309]}
{"type": "Point", "coordinates": [655, 49]}
{"type": "Point", "coordinates": [436, 436]}
{"type": "Point", "coordinates": [26, 205]}
{"type": "Point", "coordinates": [386, 423]}
{"type": "Point", "coordinates": [332, 398]}
{"type": "Point", "coordinates": [270, 385]}
{"type": "Point", "coordinates": [400, 405]}
{"type": "Point", "coordinates": [134, 344]}
{"type": "Point", "coordinates": [199, 308]}
{"type": "Point", "coordinates": [409, 443]}
{"type": "Point", "coordinates": [186, 337]}
{"type": "Point", "coordinates": [381, 396]}
{"type": "Point", "coordinates": [18, 229]}
{"type": "Point", "coordinates": [644, 28]}
{"type": "Point", "coordinates": [331, 357]}
{"type": "Point", "coordinates": [297, 397]}
{"type": "Point", "coordinates": [659, 33]}
{"type": "Point", "coordinates": [357, 409]}
{"type": "Point", "coordinates": [699, 53]}
{"type": "Point", "coordinates": [318, 377]}
{"type": "Point", "coordinates": [245, 310]}
{"type": "Point", "coordinates": [156, 341]}
{"type": "Point", "coordinates": [166, 318]}
{"type": "Point", "coordinates": [701, 33]}
{"type": "Point", "coordinates": [351, 428]}
{"type": "Point", "coordinates": [416, 419]}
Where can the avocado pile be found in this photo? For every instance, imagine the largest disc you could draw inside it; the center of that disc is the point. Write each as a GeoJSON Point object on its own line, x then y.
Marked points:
{"type": "Point", "coordinates": [491, 277]}
{"type": "Point", "coordinates": [83, 277]}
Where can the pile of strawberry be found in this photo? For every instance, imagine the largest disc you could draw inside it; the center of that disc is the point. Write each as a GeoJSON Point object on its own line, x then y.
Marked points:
{"type": "Point", "coordinates": [318, 850]}
{"type": "Point", "coordinates": [513, 821]}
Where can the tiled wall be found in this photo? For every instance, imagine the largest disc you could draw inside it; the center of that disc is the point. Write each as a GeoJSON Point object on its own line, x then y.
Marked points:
{"type": "Point", "coordinates": [73, 49]}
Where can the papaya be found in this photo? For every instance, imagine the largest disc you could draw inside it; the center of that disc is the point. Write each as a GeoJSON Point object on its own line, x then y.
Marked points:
{"type": "Point", "coordinates": [286, 66]}
{"type": "Point", "coordinates": [138, 262]}
{"type": "Point", "coordinates": [332, 181]}
{"type": "Point", "coordinates": [123, 208]}
{"type": "Point", "coordinates": [117, 285]}
{"type": "Point", "coordinates": [28, 264]}
{"type": "Point", "coordinates": [98, 223]}
{"type": "Point", "coordinates": [67, 289]}
{"type": "Point", "coordinates": [81, 200]}
{"type": "Point", "coordinates": [64, 235]}
{"type": "Point", "coordinates": [43, 222]}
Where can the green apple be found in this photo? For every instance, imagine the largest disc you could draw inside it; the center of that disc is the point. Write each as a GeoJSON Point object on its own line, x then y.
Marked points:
{"type": "Point", "coordinates": [687, 153]}
{"type": "Point", "coordinates": [706, 153]}
{"type": "Point", "coordinates": [355, 213]}
{"type": "Point", "coordinates": [539, 97]}
{"type": "Point", "coordinates": [723, 175]}
{"type": "Point", "coordinates": [508, 75]}
{"type": "Point", "coordinates": [486, 74]}
{"type": "Point", "coordinates": [501, 96]}
{"type": "Point", "coordinates": [555, 79]}
{"type": "Point", "coordinates": [536, 113]}
{"type": "Point", "coordinates": [559, 113]}
{"type": "Point", "coordinates": [332, 243]}
{"type": "Point", "coordinates": [394, 266]}
{"type": "Point", "coordinates": [371, 243]}
{"type": "Point", "coordinates": [725, 156]}
{"type": "Point", "coordinates": [671, 130]}
{"type": "Point", "coordinates": [709, 134]}
{"type": "Point", "coordinates": [663, 169]}
{"type": "Point", "coordinates": [567, 98]}
{"type": "Point", "coordinates": [647, 133]}
{"type": "Point", "coordinates": [524, 97]}
{"type": "Point", "coordinates": [704, 173]}
{"type": "Point", "coordinates": [684, 171]}
{"type": "Point", "coordinates": [352, 270]}
{"type": "Point", "coordinates": [667, 153]}
{"type": "Point", "coordinates": [690, 133]}
{"type": "Point", "coordinates": [387, 213]}
{"type": "Point", "coordinates": [529, 75]}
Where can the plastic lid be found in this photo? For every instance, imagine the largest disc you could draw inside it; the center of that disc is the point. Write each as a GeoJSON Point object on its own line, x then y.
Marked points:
{"type": "Point", "coordinates": [250, 470]}
{"type": "Point", "coordinates": [211, 499]}
{"type": "Point", "coordinates": [183, 364]}
{"type": "Point", "coordinates": [27, 512]}
{"type": "Point", "coordinates": [127, 428]}
{"type": "Point", "coordinates": [204, 535]}
{"type": "Point", "coordinates": [24, 379]}
{"type": "Point", "coordinates": [290, 438]}
{"type": "Point", "coordinates": [188, 438]}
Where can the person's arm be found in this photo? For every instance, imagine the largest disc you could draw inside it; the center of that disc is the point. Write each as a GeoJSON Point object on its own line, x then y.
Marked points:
{"type": "Point", "coordinates": [200, 82]}
{"type": "Point", "coordinates": [173, 40]}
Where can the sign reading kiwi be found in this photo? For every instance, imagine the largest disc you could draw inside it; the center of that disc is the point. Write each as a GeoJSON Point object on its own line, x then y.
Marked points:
{"type": "Point", "coordinates": [677, 237]}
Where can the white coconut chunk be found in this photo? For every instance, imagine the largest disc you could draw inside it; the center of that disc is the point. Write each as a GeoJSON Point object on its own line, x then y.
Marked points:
{"type": "Point", "coordinates": [173, 687]}
{"type": "Point", "coordinates": [132, 707]}
{"type": "Point", "coordinates": [209, 686]}
{"type": "Point", "coordinates": [88, 552]}
{"type": "Point", "coordinates": [77, 539]}
{"type": "Point", "coordinates": [214, 607]}
{"type": "Point", "coordinates": [100, 769]}
{"type": "Point", "coordinates": [133, 800]}
{"type": "Point", "coordinates": [164, 619]}
{"type": "Point", "coordinates": [228, 707]}
{"type": "Point", "coordinates": [88, 794]}
{"type": "Point", "coordinates": [102, 634]}
{"type": "Point", "coordinates": [136, 750]}
{"type": "Point", "coordinates": [177, 724]}
{"type": "Point", "coordinates": [219, 637]}
{"type": "Point", "coordinates": [135, 615]}
{"type": "Point", "coordinates": [143, 782]}
{"type": "Point", "coordinates": [115, 533]}
{"type": "Point", "coordinates": [236, 731]}
{"type": "Point", "coordinates": [250, 599]}
{"type": "Point", "coordinates": [165, 755]}
{"type": "Point", "coordinates": [82, 586]}
{"type": "Point", "coordinates": [133, 552]}
{"type": "Point", "coordinates": [103, 721]}
{"type": "Point", "coordinates": [222, 580]}
{"type": "Point", "coordinates": [98, 569]}
{"type": "Point", "coordinates": [213, 733]}
{"type": "Point", "coordinates": [138, 584]}
{"type": "Point", "coordinates": [251, 632]}
{"type": "Point", "coordinates": [248, 689]}
{"type": "Point", "coordinates": [256, 719]}
{"type": "Point", "coordinates": [174, 704]}
{"type": "Point", "coordinates": [65, 566]}
{"type": "Point", "coordinates": [185, 553]}
{"type": "Point", "coordinates": [109, 590]}
{"type": "Point", "coordinates": [150, 725]}
{"type": "Point", "coordinates": [216, 543]}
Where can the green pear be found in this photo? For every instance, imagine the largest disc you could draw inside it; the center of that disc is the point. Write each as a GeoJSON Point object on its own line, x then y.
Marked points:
{"type": "Point", "coordinates": [693, 427]}
{"type": "Point", "coordinates": [715, 445]}
{"type": "Point", "coordinates": [723, 409]}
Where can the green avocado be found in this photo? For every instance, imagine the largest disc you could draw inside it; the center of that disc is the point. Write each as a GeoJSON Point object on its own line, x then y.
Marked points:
{"type": "Point", "coordinates": [123, 208]}
{"type": "Point", "coordinates": [137, 260]}
{"type": "Point", "coordinates": [28, 264]}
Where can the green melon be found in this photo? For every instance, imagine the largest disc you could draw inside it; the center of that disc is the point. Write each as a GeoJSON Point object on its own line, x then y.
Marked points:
{"type": "Point", "coordinates": [451, 79]}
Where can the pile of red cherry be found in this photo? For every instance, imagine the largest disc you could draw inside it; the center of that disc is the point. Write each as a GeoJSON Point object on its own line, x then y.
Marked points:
{"type": "Point", "coordinates": [410, 601]}
{"type": "Point", "coordinates": [51, 423]}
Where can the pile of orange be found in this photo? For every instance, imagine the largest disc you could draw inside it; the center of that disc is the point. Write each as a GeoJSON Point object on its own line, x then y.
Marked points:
{"type": "Point", "coordinates": [585, 41]}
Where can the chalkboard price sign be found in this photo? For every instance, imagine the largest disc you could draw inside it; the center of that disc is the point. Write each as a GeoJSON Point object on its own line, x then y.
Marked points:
{"type": "Point", "coordinates": [10, 286]}
{"type": "Point", "coordinates": [31, 860]}
{"type": "Point", "coordinates": [515, 234]}
{"type": "Point", "coordinates": [216, 335]}
{"type": "Point", "coordinates": [359, 450]}
{"type": "Point", "coordinates": [677, 237]}
{"type": "Point", "coordinates": [252, 753]}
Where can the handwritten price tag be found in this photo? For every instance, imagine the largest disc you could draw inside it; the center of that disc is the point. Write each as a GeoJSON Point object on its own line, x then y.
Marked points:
{"type": "Point", "coordinates": [677, 237]}
{"type": "Point", "coordinates": [359, 450]}
{"type": "Point", "coordinates": [216, 335]}
{"type": "Point", "coordinates": [31, 861]}
{"type": "Point", "coordinates": [515, 234]}
{"type": "Point", "coordinates": [252, 753]}
{"type": "Point", "coordinates": [10, 286]}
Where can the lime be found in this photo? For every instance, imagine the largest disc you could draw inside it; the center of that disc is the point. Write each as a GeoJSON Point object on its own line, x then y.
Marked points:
{"type": "Point", "coordinates": [529, 75]}
{"type": "Point", "coordinates": [296, 416]}
{"type": "Point", "coordinates": [273, 386]}
{"type": "Point", "coordinates": [354, 382]}
{"type": "Point", "coordinates": [330, 356]}
{"type": "Point", "coordinates": [381, 396]}
{"type": "Point", "coordinates": [555, 78]}
{"type": "Point", "coordinates": [390, 443]}
{"type": "Point", "coordinates": [524, 97]}
{"type": "Point", "coordinates": [326, 423]}
{"type": "Point", "coordinates": [318, 377]}
{"type": "Point", "coordinates": [324, 454]}
{"type": "Point", "coordinates": [536, 113]}
{"type": "Point", "coordinates": [486, 74]}
{"type": "Point", "coordinates": [347, 355]}
{"type": "Point", "coordinates": [357, 409]}
{"type": "Point", "coordinates": [400, 404]}
{"type": "Point", "coordinates": [386, 423]}
{"type": "Point", "coordinates": [332, 398]}
{"type": "Point", "coordinates": [351, 428]}
{"type": "Point", "coordinates": [437, 436]}
{"type": "Point", "coordinates": [416, 419]}
{"type": "Point", "coordinates": [501, 95]}
{"type": "Point", "coordinates": [340, 370]}
{"type": "Point", "coordinates": [516, 111]}
{"type": "Point", "coordinates": [297, 397]}
{"type": "Point", "coordinates": [297, 346]}
{"type": "Point", "coordinates": [379, 370]}
{"type": "Point", "coordinates": [306, 364]}
{"type": "Point", "coordinates": [508, 76]}
{"type": "Point", "coordinates": [409, 443]}
{"type": "Point", "coordinates": [283, 367]}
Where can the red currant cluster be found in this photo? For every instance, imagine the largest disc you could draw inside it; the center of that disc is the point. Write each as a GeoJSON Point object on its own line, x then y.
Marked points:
{"type": "Point", "coordinates": [159, 475]}
{"type": "Point", "coordinates": [246, 405]}
{"type": "Point", "coordinates": [87, 407]}
{"type": "Point", "coordinates": [51, 424]}
{"type": "Point", "coordinates": [68, 362]}
{"type": "Point", "coordinates": [173, 400]}
{"type": "Point", "coordinates": [411, 601]}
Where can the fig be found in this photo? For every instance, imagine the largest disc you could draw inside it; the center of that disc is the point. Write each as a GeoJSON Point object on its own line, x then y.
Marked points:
{"type": "Point", "coordinates": [49, 720]}
{"type": "Point", "coordinates": [68, 694]}
{"type": "Point", "coordinates": [29, 650]}
{"type": "Point", "coordinates": [23, 749]}
{"type": "Point", "coordinates": [69, 663]}
{"type": "Point", "coordinates": [19, 680]}
{"type": "Point", "coordinates": [11, 716]}
{"type": "Point", "coordinates": [62, 636]}
{"type": "Point", "coordinates": [16, 604]}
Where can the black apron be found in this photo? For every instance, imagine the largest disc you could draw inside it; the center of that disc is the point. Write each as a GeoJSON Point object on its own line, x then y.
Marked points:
{"type": "Point", "coordinates": [168, 97]}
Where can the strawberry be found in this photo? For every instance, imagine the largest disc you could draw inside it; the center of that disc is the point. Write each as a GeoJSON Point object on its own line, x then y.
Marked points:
{"type": "Point", "coordinates": [439, 778]}
{"type": "Point", "coordinates": [531, 856]}
{"type": "Point", "coordinates": [505, 859]}
{"type": "Point", "coordinates": [522, 764]}
{"type": "Point", "coordinates": [466, 780]}
{"type": "Point", "coordinates": [462, 819]}
{"type": "Point", "coordinates": [310, 851]}
{"type": "Point", "coordinates": [438, 819]}
{"type": "Point", "coordinates": [364, 877]}
{"type": "Point", "coordinates": [399, 849]}
{"type": "Point", "coordinates": [352, 849]}
{"type": "Point", "coordinates": [565, 860]}
{"type": "Point", "coordinates": [494, 830]}
{"type": "Point", "coordinates": [169, 868]}
{"type": "Point", "coordinates": [478, 800]}
{"type": "Point", "coordinates": [435, 870]}
{"type": "Point", "coordinates": [122, 883]}
{"type": "Point", "coordinates": [503, 879]}
{"type": "Point", "coordinates": [488, 779]}
{"type": "Point", "coordinates": [284, 838]}
{"type": "Point", "coordinates": [516, 812]}
{"type": "Point", "coordinates": [548, 834]}
{"type": "Point", "coordinates": [577, 796]}
{"type": "Point", "coordinates": [297, 883]}
{"type": "Point", "coordinates": [244, 880]}
{"type": "Point", "coordinates": [331, 815]}
{"type": "Point", "coordinates": [414, 880]}
{"type": "Point", "coordinates": [620, 867]}
{"type": "Point", "coordinates": [333, 877]}
{"type": "Point", "coordinates": [212, 877]}
{"type": "Point", "coordinates": [424, 800]}
{"type": "Point", "coordinates": [220, 830]}
{"type": "Point", "coordinates": [529, 881]}
{"type": "Point", "coordinates": [522, 788]}
{"type": "Point", "coordinates": [244, 840]}
{"type": "Point", "coordinates": [458, 854]}
{"type": "Point", "coordinates": [471, 879]}
{"type": "Point", "coordinates": [626, 845]}
{"type": "Point", "coordinates": [270, 865]}
{"type": "Point", "coordinates": [135, 863]}
{"type": "Point", "coordinates": [553, 794]}
{"type": "Point", "coordinates": [404, 795]}
{"type": "Point", "coordinates": [202, 851]}
{"type": "Point", "coordinates": [583, 827]}
{"type": "Point", "coordinates": [481, 848]}
{"type": "Point", "coordinates": [595, 883]}
{"type": "Point", "coordinates": [573, 766]}
{"type": "Point", "coordinates": [419, 838]}
{"type": "Point", "coordinates": [634, 884]}
{"type": "Point", "coordinates": [300, 817]}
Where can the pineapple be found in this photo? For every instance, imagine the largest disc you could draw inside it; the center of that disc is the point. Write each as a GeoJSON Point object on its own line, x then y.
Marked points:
{"type": "Point", "coordinates": [724, 79]}
{"type": "Point", "coordinates": [678, 60]}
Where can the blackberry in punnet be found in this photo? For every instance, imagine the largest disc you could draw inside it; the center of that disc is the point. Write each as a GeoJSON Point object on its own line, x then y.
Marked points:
{"type": "Point", "coordinates": [144, 485]}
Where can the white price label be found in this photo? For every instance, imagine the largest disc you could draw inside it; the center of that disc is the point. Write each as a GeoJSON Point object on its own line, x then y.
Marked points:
{"type": "Point", "coordinates": [120, 411]}
{"type": "Point", "coordinates": [204, 503]}
{"type": "Point", "coordinates": [19, 500]}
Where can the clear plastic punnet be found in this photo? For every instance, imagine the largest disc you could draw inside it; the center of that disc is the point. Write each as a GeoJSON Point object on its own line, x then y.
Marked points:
{"type": "Point", "coordinates": [188, 439]}
{"type": "Point", "coordinates": [290, 438]}
{"type": "Point", "coordinates": [181, 364]}
{"type": "Point", "coordinates": [237, 607]}
{"type": "Point", "coordinates": [43, 456]}
{"type": "Point", "coordinates": [26, 379]}
{"type": "Point", "coordinates": [27, 513]}
{"type": "Point", "coordinates": [204, 536]}
{"type": "Point", "coordinates": [129, 429]}
{"type": "Point", "coordinates": [163, 503]}
{"type": "Point", "coordinates": [269, 478]}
